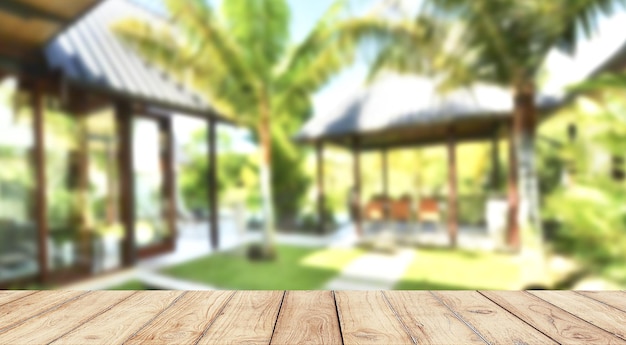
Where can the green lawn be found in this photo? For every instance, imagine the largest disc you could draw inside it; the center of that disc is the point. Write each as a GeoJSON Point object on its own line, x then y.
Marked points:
{"type": "Point", "coordinates": [296, 268]}
{"type": "Point", "coordinates": [440, 269]}
{"type": "Point", "coordinates": [130, 285]}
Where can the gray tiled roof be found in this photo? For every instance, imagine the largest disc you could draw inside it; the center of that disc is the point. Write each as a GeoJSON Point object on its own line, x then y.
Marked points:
{"type": "Point", "coordinates": [90, 55]}
{"type": "Point", "coordinates": [398, 102]}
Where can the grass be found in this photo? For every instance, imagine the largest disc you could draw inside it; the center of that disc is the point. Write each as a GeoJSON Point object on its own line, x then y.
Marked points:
{"type": "Point", "coordinates": [130, 285]}
{"type": "Point", "coordinates": [440, 269]}
{"type": "Point", "coordinates": [296, 268]}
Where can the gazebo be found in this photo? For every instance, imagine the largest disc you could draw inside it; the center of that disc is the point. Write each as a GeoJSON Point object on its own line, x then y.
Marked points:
{"type": "Point", "coordinates": [409, 111]}
{"type": "Point", "coordinates": [65, 51]}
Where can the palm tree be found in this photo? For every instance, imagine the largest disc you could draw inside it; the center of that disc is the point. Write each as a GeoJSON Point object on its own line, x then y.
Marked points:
{"type": "Point", "coordinates": [240, 55]}
{"type": "Point", "coordinates": [503, 42]}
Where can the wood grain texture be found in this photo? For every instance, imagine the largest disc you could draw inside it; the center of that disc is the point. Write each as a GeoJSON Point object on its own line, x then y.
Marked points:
{"type": "Point", "coordinates": [123, 320]}
{"type": "Point", "coordinates": [608, 318]}
{"type": "Point", "coordinates": [428, 320]}
{"type": "Point", "coordinates": [495, 324]}
{"type": "Point", "coordinates": [549, 319]}
{"type": "Point", "coordinates": [10, 296]}
{"type": "Point", "coordinates": [49, 326]}
{"type": "Point", "coordinates": [314, 317]}
{"type": "Point", "coordinates": [616, 299]}
{"type": "Point", "coordinates": [307, 317]}
{"type": "Point", "coordinates": [366, 318]}
{"type": "Point", "coordinates": [16, 312]}
{"type": "Point", "coordinates": [248, 318]}
{"type": "Point", "coordinates": [185, 321]}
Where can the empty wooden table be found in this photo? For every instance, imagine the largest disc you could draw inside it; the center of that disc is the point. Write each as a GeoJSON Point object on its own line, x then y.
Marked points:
{"type": "Point", "coordinates": [312, 317]}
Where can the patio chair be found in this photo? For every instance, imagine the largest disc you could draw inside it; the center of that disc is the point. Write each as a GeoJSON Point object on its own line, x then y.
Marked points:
{"type": "Point", "coordinates": [401, 209]}
{"type": "Point", "coordinates": [375, 209]}
{"type": "Point", "coordinates": [428, 212]}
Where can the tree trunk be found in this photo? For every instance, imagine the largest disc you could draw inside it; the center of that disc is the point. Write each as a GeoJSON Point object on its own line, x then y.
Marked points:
{"type": "Point", "coordinates": [524, 123]}
{"type": "Point", "coordinates": [266, 178]}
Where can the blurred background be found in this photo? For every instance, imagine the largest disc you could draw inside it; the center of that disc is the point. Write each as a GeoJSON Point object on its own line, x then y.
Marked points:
{"type": "Point", "coordinates": [284, 144]}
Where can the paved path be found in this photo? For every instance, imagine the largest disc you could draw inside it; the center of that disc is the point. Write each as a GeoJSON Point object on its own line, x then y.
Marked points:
{"type": "Point", "coordinates": [373, 271]}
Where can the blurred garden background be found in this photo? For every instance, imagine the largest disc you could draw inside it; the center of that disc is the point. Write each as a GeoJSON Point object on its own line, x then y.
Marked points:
{"type": "Point", "coordinates": [537, 202]}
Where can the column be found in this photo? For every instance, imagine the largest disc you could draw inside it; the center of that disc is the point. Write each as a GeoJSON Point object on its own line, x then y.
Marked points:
{"type": "Point", "coordinates": [41, 205]}
{"type": "Point", "coordinates": [169, 176]}
{"type": "Point", "coordinates": [320, 186]}
{"type": "Point", "coordinates": [212, 186]}
{"type": "Point", "coordinates": [452, 190]}
{"type": "Point", "coordinates": [126, 177]}
{"type": "Point", "coordinates": [385, 181]}
{"type": "Point", "coordinates": [355, 195]}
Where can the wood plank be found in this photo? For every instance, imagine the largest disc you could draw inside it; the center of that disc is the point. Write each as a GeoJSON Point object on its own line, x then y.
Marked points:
{"type": "Point", "coordinates": [608, 318]}
{"type": "Point", "coordinates": [366, 318]}
{"type": "Point", "coordinates": [49, 326]}
{"type": "Point", "coordinates": [307, 317]}
{"type": "Point", "coordinates": [10, 296]}
{"type": "Point", "coordinates": [249, 317]}
{"type": "Point", "coordinates": [19, 310]}
{"type": "Point", "coordinates": [122, 321]}
{"type": "Point", "coordinates": [496, 325]}
{"type": "Point", "coordinates": [549, 319]}
{"type": "Point", "coordinates": [185, 321]}
{"type": "Point", "coordinates": [616, 299]}
{"type": "Point", "coordinates": [428, 320]}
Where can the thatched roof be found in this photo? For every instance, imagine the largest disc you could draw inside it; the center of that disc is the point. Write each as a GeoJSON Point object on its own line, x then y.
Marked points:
{"type": "Point", "coordinates": [89, 55]}
{"type": "Point", "coordinates": [409, 110]}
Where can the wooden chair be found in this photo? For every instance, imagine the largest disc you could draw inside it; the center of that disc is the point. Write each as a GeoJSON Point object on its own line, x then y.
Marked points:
{"type": "Point", "coordinates": [401, 209]}
{"type": "Point", "coordinates": [375, 208]}
{"type": "Point", "coordinates": [428, 211]}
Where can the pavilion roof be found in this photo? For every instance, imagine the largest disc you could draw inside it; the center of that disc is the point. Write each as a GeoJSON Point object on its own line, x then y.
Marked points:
{"type": "Point", "coordinates": [403, 110]}
{"type": "Point", "coordinates": [28, 25]}
{"type": "Point", "coordinates": [91, 56]}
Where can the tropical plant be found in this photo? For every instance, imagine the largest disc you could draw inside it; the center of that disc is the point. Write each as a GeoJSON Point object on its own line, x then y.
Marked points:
{"type": "Point", "coordinates": [241, 56]}
{"type": "Point", "coordinates": [503, 42]}
{"type": "Point", "coordinates": [590, 208]}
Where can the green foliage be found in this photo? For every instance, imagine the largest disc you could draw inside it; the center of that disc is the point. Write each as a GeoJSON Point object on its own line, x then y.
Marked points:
{"type": "Point", "coordinates": [241, 57]}
{"type": "Point", "coordinates": [233, 169]}
{"type": "Point", "coordinates": [591, 209]}
{"type": "Point", "coordinates": [593, 221]}
{"type": "Point", "coordinates": [289, 180]}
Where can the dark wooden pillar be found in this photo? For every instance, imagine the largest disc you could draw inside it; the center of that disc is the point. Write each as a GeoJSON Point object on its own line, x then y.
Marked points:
{"type": "Point", "coordinates": [82, 167]}
{"type": "Point", "coordinates": [385, 178]}
{"type": "Point", "coordinates": [320, 187]}
{"type": "Point", "coordinates": [212, 185]}
{"type": "Point", "coordinates": [496, 178]}
{"type": "Point", "coordinates": [355, 195]}
{"type": "Point", "coordinates": [169, 176]}
{"type": "Point", "coordinates": [453, 222]}
{"type": "Point", "coordinates": [126, 178]}
{"type": "Point", "coordinates": [513, 236]}
{"type": "Point", "coordinates": [41, 205]}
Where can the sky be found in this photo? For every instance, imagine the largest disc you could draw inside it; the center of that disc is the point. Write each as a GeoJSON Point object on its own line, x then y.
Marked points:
{"type": "Point", "coordinates": [561, 70]}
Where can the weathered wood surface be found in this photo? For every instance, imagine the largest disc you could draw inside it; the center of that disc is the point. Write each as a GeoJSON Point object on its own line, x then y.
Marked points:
{"type": "Point", "coordinates": [312, 317]}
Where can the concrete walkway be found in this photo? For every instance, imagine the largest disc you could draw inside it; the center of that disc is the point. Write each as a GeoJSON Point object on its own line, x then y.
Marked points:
{"type": "Point", "coordinates": [373, 271]}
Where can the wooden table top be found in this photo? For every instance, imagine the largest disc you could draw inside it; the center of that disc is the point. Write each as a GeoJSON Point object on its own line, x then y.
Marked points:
{"type": "Point", "coordinates": [312, 317]}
